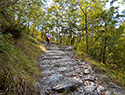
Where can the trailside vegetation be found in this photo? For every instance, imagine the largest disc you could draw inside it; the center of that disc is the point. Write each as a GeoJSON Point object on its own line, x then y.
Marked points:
{"type": "Point", "coordinates": [96, 33]}
{"type": "Point", "coordinates": [19, 47]}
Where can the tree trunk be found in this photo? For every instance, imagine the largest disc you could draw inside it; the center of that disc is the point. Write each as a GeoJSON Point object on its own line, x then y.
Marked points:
{"type": "Point", "coordinates": [104, 51]}
{"type": "Point", "coordinates": [86, 29]}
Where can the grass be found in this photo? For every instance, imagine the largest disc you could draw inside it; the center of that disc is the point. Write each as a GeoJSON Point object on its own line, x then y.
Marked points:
{"type": "Point", "coordinates": [19, 66]}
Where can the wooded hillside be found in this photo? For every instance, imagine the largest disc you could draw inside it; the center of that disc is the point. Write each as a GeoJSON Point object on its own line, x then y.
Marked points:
{"type": "Point", "coordinates": [94, 31]}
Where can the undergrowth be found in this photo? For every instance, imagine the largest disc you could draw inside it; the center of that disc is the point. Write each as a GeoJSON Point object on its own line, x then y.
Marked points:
{"type": "Point", "coordinates": [19, 68]}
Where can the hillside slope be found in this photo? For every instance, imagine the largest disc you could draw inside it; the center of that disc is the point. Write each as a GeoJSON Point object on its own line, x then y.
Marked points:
{"type": "Point", "coordinates": [18, 65]}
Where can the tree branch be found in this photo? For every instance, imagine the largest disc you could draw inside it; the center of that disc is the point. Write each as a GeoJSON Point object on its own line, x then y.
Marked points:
{"type": "Point", "coordinates": [8, 4]}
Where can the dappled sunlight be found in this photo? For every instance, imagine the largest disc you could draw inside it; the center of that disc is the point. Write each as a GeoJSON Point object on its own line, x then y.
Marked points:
{"type": "Point", "coordinates": [59, 46]}
{"type": "Point", "coordinates": [42, 48]}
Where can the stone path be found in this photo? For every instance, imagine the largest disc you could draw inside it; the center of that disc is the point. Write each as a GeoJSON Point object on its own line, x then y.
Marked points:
{"type": "Point", "coordinates": [66, 75]}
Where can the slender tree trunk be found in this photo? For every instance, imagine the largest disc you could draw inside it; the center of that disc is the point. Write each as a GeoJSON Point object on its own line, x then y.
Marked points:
{"type": "Point", "coordinates": [86, 29]}
{"type": "Point", "coordinates": [104, 51]}
{"type": "Point", "coordinates": [80, 38]}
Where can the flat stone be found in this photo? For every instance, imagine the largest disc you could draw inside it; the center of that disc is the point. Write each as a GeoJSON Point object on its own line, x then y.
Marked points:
{"type": "Point", "coordinates": [64, 87]}
{"type": "Point", "coordinates": [90, 78]}
{"type": "Point", "coordinates": [45, 66]}
{"type": "Point", "coordinates": [54, 57]}
{"type": "Point", "coordinates": [70, 74]}
{"type": "Point", "coordinates": [48, 72]}
{"type": "Point", "coordinates": [70, 48]}
{"type": "Point", "coordinates": [78, 70]}
{"type": "Point", "coordinates": [44, 62]}
{"type": "Point", "coordinates": [90, 89]}
{"type": "Point", "coordinates": [62, 60]}
{"type": "Point", "coordinates": [70, 84]}
{"type": "Point", "coordinates": [87, 71]}
{"type": "Point", "coordinates": [62, 69]}
{"type": "Point", "coordinates": [54, 78]}
{"type": "Point", "coordinates": [54, 54]}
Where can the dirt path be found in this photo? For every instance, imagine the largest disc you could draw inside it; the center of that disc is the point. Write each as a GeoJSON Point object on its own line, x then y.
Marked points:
{"type": "Point", "coordinates": [65, 74]}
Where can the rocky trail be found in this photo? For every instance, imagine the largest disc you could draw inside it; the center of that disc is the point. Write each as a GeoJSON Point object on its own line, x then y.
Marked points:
{"type": "Point", "coordinates": [63, 74]}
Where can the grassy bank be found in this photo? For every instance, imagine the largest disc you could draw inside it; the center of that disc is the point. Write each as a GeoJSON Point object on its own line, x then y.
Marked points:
{"type": "Point", "coordinates": [19, 68]}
